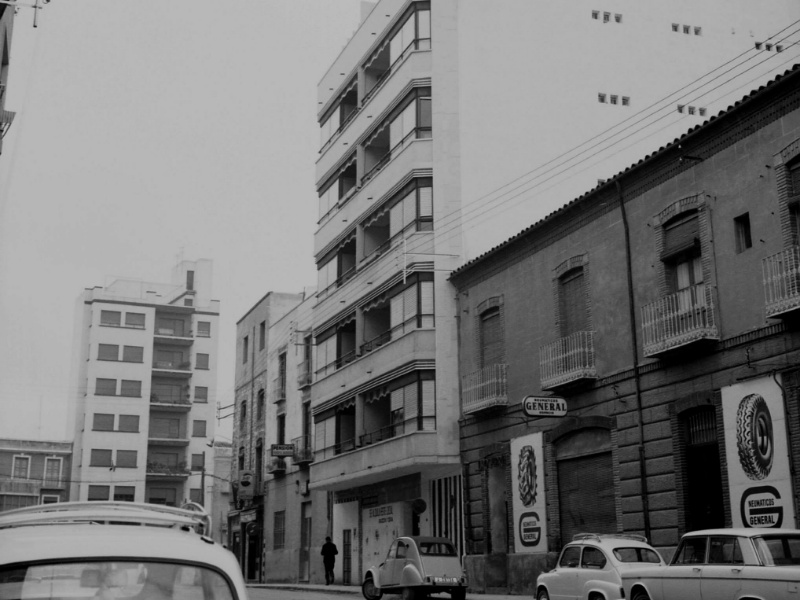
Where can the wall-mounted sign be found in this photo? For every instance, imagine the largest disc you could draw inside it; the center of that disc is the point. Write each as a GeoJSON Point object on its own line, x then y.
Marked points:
{"type": "Point", "coordinates": [282, 450]}
{"type": "Point", "coordinates": [528, 500]}
{"type": "Point", "coordinates": [544, 406]}
{"type": "Point", "coordinates": [246, 480]}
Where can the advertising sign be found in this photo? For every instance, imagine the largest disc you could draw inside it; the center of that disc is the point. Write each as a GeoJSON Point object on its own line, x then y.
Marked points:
{"type": "Point", "coordinates": [757, 452]}
{"type": "Point", "coordinates": [527, 483]}
{"type": "Point", "coordinates": [282, 449]}
{"type": "Point", "coordinates": [542, 406]}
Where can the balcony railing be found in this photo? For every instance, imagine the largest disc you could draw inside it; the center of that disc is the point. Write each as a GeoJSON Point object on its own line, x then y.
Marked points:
{"type": "Point", "coordinates": [172, 365]}
{"type": "Point", "coordinates": [159, 468]}
{"type": "Point", "coordinates": [678, 319]}
{"type": "Point", "coordinates": [567, 360]}
{"type": "Point", "coordinates": [484, 389]}
{"type": "Point", "coordinates": [376, 342]}
{"type": "Point", "coordinates": [170, 332]}
{"type": "Point", "coordinates": [303, 452]}
{"type": "Point", "coordinates": [304, 375]}
{"type": "Point", "coordinates": [170, 399]}
{"type": "Point", "coordinates": [276, 464]}
{"type": "Point", "coordinates": [384, 433]}
{"type": "Point", "coordinates": [345, 359]}
{"type": "Point", "coordinates": [781, 274]}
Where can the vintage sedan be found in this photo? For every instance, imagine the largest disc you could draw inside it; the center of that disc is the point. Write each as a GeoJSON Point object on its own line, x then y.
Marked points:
{"type": "Point", "coordinates": [416, 567]}
{"type": "Point", "coordinates": [591, 566]}
{"type": "Point", "coordinates": [729, 564]}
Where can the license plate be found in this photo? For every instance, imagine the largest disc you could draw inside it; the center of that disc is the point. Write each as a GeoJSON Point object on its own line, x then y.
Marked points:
{"type": "Point", "coordinates": [445, 579]}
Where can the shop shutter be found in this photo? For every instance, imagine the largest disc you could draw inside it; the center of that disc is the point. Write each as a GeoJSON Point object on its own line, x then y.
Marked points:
{"type": "Point", "coordinates": [586, 495]}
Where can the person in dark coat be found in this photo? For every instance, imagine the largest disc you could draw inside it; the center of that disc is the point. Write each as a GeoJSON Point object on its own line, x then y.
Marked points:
{"type": "Point", "coordinates": [329, 552]}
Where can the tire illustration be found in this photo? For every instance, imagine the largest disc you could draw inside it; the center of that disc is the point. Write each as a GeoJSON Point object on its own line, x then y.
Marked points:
{"type": "Point", "coordinates": [754, 436]}
{"type": "Point", "coordinates": [527, 476]}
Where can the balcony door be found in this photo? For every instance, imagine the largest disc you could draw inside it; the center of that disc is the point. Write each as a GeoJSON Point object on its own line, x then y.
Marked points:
{"type": "Point", "coordinates": [492, 347]}
{"type": "Point", "coordinates": [573, 316]}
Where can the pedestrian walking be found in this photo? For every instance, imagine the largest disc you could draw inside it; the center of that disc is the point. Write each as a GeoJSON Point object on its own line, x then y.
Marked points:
{"type": "Point", "coordinates": [329, 552]}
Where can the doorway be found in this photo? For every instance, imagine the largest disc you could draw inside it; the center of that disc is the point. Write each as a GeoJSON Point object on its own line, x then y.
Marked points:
{"type": "Point", "coordinates": [305, 542]}
{"type": "Point", "coordinates": [704, 502]}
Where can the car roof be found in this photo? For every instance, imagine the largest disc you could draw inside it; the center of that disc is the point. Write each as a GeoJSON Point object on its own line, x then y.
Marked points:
{"type": "Point", "coordinates": [610, 539]}
{"type": "Point", "coordinates": [418, 539]}
{"type": "Point", "coordinates": [740, 531]}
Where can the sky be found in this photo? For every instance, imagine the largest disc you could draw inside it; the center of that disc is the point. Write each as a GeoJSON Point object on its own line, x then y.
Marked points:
{"type": "Point", "coordinates": [148, 131]}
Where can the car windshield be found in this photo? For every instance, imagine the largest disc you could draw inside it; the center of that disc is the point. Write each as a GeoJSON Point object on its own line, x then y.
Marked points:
{"type": "Point", "coordinates": [437, 549]}
{"type": "Point", "coordinates": [636, 555]}
{"type": "Point", "coordinates": [779, 549]}
{"type": "Point", "coordinates": [113, 580]}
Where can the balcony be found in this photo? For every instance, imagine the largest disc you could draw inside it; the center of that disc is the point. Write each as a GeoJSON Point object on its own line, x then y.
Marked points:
{"type": "Point", "coordinates": [167, 471]}
{"type": "Point", "coordinates": [156, 439]}
{"type": "Point", "coordinates": [781, 274]}
{"type": "Point", "coordinates": [305, 377]}
{"type": "Point", "coordinates": [303, 452]}
{"type": "Point", "coordinates": [171, 368]}
{"type": "Point", "coordinates": [679, 319]}
{"type": "Point", "coordinates": [171, 336]}
{"type": "Point", "coordinates": [172, 402]}
{"type": "Point", "coordinates": [276, 464]}
{"type": "Point", "coordinates": [484, 389]}
{"type": "Point", "coordinates": [376, 342]}
{"type": "Point", "coordinates": [568, 360]}
{"type": "Point", "coordinates": [26, 487]}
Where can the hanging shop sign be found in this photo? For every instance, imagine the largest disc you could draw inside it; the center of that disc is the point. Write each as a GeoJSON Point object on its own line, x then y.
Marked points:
{"type": "Point", "coordinates": [544, 406]}
{"type": "Point", "coordinates": [282, 449]}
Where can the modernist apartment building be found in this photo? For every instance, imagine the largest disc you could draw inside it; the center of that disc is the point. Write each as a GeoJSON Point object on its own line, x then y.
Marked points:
{"type": "Point", "coordinates": [33, 472]}
{"type": "Point", "coordinates": [145, 375]}
{"type": "Point", "coordinates": [6, 31]}
{"type": "Point", "coordinates": [428, 117]}
{"type": "Point", "coordinates": [643, 343]}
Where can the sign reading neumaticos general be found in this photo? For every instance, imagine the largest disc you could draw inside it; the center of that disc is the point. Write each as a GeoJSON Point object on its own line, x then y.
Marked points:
{"type": "Point", "coordinates": [544, 406]}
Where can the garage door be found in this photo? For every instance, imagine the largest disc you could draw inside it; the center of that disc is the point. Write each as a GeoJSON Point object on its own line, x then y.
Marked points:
{"type": "Point", "coordinates": [586, 495]}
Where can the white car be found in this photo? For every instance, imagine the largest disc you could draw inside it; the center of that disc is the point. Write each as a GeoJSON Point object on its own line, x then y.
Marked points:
{"type": "Point", "coordinates": [591, 567]}
{"type": "Point", "coordinates": [113, 551]}
{"type": "Point", "coordinates": [729, 564]}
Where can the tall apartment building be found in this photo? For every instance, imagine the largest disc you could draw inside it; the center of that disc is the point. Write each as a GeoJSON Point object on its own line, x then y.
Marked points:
{"type": "Point", "coordinates": [6, 31]}
{"type": "Point", "coordinates": [145, 375]}
{"type": "Point", "coordinates": [434, 118]}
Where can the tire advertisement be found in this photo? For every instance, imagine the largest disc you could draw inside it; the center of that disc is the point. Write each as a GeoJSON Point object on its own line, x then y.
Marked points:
{"type": "Point", "coordinates": [527, 483]}
{"type": "Point", "coordinates": [757, 453]}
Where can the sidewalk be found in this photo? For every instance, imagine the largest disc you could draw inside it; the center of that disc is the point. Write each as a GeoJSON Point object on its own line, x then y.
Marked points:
{"type": "Point", "coordinates": [354, 591]}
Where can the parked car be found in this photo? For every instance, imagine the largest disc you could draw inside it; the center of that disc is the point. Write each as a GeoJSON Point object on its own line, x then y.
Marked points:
{"type": "Point", "coordinates": [713, 564]}
{"type": "Point", "coordinates": [114, 551]}
{"type": "Point", "coordinates": [416, 567]}
{"type": "Point", "coordinates": [591, 567]}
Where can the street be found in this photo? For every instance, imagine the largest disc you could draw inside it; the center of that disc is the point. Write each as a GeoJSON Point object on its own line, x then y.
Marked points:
{"type": "Point", "coordinates": [298, 594]}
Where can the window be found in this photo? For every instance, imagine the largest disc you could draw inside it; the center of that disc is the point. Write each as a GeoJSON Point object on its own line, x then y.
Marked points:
{"type": "Point", "coordinates": [110, 318]}
{"type": "Point", "coordinates": [126, 459]}
{"type": "Point", "coordinates": [570, 557]}
{"type": "Point", "coordinates": [134, 320]}
{"type": "Point", "coordinates": [593, 558]}
{"type": "Point", "coordinates": [702, 112]}
{"type": "Point", "coordinates": [573, 313]}
{"type": "Point", "coordinates": [201, 361]}
{"type": "Point", "coordinates": [742, 230]}
{"type": "Point", "coordinates": [282, 376]}
{"type": "Point", "coordinates": [50, 499]}
{"type": "Point", "coordinates": [129, 423]}
{"type": "Point", "coordinates": [692, 551]}
{"type": "Point", "coordinates": [618, 17]}
{"type": "Point", "coordinates": [99, 492]}
{"type": "Point", "coordinates": [52, 471]}
{"type": "Point", "coordinates": [200, 394]}
{"type": "Point", "coordinates": [675, 27]}
{"type": "Point", "coordinates": [124, 493]}
{"type": "Point", "coordinates": [245, 341]}
{"type": "Point", "coordinates": [243, 416]}
{"type": "Point", "coordinates": [105, 387]}
{"type": "Point", "coordinates": [492, 350]}
{"type": "Point", "coordinates": [197, 462]}
{"type": "Point", "coordinates": [626, 101]}
{"type": "Point", "coordinates": [165, 428]}
{"type": "Point", "coordinates": [691, 110]}
{"type": "Point", "coordinates": [680, 108]}
{"type": "Point", "coordinates": [260, 405]}
{"type": "Point", "coordinates": [606, 17]}
{"type": "Point", "coordinates": [601, 98]}
{"type": "Point", "coordinates": [794, 179]}
{"type": "Point", "coordinates": [102, 422]}
{"type": "Point", "coordinates": [613, 99]}
{"type": "Point", "coordinates": [686, 29]}
{"type": "Point", "coordinates": [166, 393]}
{"type": "Point", "coordinates": [698, 30]}
{"type": "Point", "coordinates": [131, 388]}
{"type": "Point", "coordinates": [107, 352]}
{"type": "Point", "coordinates": [595, 14]}
{"type": "Point", "coordinates": [165, 496]}
{"type": "Point", "coordinates": [198, 429]}
{"type": "Point", "coordinates": [21, 467]}
{"type": "Point", "coordinates": [281, 429]}
{"type": "Point", "coordinates": [279, 529]}
{"type": "Point", "coordinates": [262, 335]}
{"type": "Point", "coordinates": [196, 495]}
{"type": "Point", "coordinates": [190, 280]}
{"type": "Point", "coordinates": [133, 354]}
{"type": "Point", "coordinates": [203, 329]}
{"type": "Point", "coordinates": [100, 458]}
{"type": "Point", "coordinates": [724, 551]}
{"type": "Point", "coordinates": [240, 462]}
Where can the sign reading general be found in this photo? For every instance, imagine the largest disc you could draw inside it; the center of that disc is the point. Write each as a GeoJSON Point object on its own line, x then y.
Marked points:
{"type": "Point", "coordinates": [544, 406]}
{"type": "Point", "coordinates": [282, 449]}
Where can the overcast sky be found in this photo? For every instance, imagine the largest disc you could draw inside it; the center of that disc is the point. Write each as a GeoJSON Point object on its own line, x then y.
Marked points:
{"type": "Point", "coordinates": [145, 130]}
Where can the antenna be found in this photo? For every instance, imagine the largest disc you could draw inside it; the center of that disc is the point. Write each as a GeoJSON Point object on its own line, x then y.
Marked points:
{"type": "Point", "coordinates": [36, 6]}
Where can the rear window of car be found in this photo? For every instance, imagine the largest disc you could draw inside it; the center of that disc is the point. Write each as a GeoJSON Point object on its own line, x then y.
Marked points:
{"type": "Point", "coordinates": [779, 550]}
{"type": "Point", "coordinates": [636, 555]}
{"type": "Point", "coordinates": [437, 549]}
{"type": "Point", "coordinates": [113, 580]}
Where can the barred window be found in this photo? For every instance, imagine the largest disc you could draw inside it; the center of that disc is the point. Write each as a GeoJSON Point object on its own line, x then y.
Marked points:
{"type": "Point", "coordinates": [279, 529]}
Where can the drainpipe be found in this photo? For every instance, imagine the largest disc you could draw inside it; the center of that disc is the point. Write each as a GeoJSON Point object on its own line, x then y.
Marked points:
{"type": "Point", "coordinates": [635, 357]}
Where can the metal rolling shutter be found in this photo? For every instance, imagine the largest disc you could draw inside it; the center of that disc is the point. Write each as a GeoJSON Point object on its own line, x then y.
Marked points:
{"type": "Point", "coordinates": [586, 495]}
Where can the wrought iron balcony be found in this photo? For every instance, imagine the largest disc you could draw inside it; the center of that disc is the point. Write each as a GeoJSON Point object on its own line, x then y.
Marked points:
{"type": "Point", "coordinates": [781, 273]}
{"type": "Point", "coordinates": [485, 388]}
{"type": "Point", "coordinates": [679, 319]}
{"type": "Point", "coordinates": [276, 464]}
{"type": "Point", "coordinates": [303, 452]}
{"type": "Point", "coordinates": [170, 399]}
{"type": "Point", "coordinates": [304, 375]}
{"type": "Point", "coordinates": [159, 468]}
{"type": "Point", "coordinates": [567, 360]}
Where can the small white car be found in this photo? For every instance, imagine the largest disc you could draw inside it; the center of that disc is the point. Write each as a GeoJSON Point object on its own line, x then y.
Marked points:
{"type": "Point", "coordinates": [729, 564]}
{"type": "Point", "coordinates": [415, 567]}
{"type": "Point", "coordinates": [113, 551]}
{"type": "Point", "coordinates": [591, 567]}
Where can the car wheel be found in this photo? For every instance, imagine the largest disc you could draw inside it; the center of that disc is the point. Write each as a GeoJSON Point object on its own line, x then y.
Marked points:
{"type": "Point", "coordinates": [754, 438]}
{"type": "Point", "coordinates": [458, 594]}
{"type": "Point", "coordinates": [409, 593]}
{"type": "Point", "coordinates": [640, 594]}
{"type": "Point", "coordinates": [369, 591]}
{"type": "Point", "coordinates": [542, 595]}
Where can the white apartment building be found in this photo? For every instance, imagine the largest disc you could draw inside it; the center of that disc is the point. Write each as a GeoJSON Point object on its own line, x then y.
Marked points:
{"type": "Point", "coordinates": [145, 373]}
{"type": "Point", "coordinates": [447, 126]}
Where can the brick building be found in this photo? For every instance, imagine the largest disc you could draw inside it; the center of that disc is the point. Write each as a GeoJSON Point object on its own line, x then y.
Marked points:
{"type": "Point", "coordinates": [661, 307]}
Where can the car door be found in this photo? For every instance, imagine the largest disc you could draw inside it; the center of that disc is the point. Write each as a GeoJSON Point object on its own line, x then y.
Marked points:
{"type": "Point", "coordinates": [564, 585]}
{"type": "Point", "coordinates": [594, 568]}
{"type": "Point", "coordinates": [387, 569]}
{"type": "Point", "coordinates": [722, 575]}
{"type": "Point", "coordinates": [400, 560]}
{"type": "Point", "coordinates": [682, 578]}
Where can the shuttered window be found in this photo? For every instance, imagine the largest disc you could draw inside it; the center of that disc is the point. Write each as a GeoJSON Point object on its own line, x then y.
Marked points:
{"type": "Point", "coordinates": [492, 347]}
{"type": "Point", "coordinates": [586, 495]}
{"type": "Point", "coordinates": [428, 405]}
{"type": "Point", "coordinates": [681, 234]}
{"type": "Point", "coordinates": [572, 302]}
{"type": "Point", "coordinates": [107, 352]}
